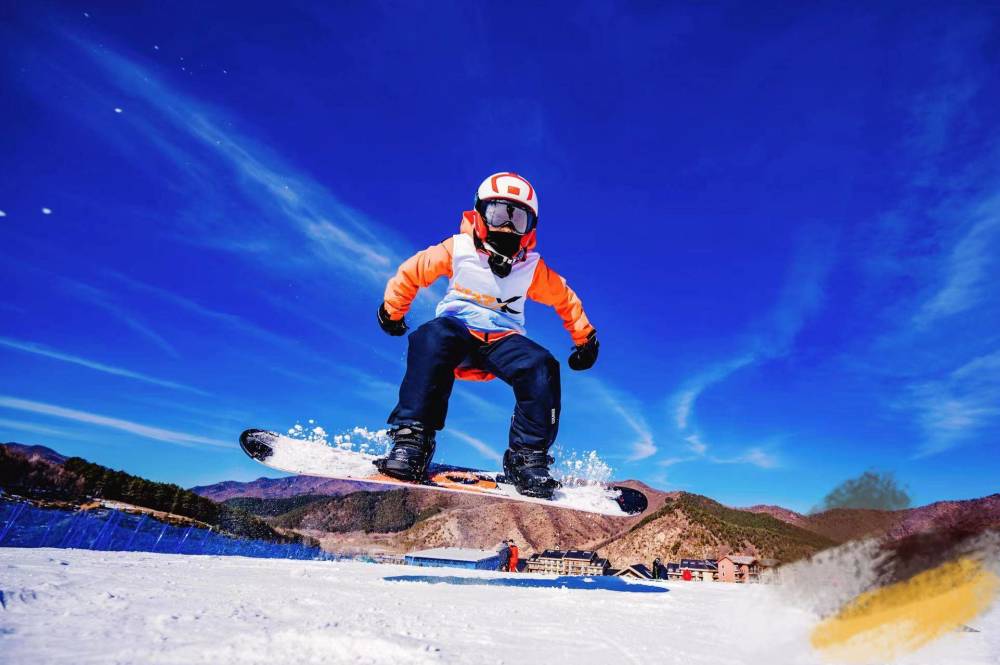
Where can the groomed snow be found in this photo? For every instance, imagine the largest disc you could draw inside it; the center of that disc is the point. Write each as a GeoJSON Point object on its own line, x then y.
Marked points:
{"type": "Point", "coordinates": [76, 606]}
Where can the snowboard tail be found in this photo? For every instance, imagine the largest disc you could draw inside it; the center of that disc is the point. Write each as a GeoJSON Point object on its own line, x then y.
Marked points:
{"type": "Point", "coordinates": [319, 459]}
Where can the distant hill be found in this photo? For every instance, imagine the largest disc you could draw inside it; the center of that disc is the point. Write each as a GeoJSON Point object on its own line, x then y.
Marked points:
{"type": "Point", "coordinates": [272, 507]}
{"type": "Point", "coordinates": [36, 452]}
{"type": "Point", "coordinates": [844, 524]}
{"type": "Point", "coordinates": [677, 525]}
{"type": "Point", "coordinates": [379, 512]}
{"type": "Point", "coordinates": [40, 473]}
{"type": "Point", "coordinates": [693, 526]}
{"type": "Point", "coordinates": [278, 488]}
{"type": "Point", "coordinates": [783, 514]}
{"type": "Point", "coordinates": [971, 515]}
{"type": "Point", "coordinates": [406, 519]}
{"type": "Point", "coordinates": [345, 515]}
{"type": "Point", "coordinates": [925, 537]}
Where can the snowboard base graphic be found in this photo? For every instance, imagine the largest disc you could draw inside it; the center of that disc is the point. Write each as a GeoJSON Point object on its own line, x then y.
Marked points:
{"type": "Point", "coordinates": [312, 458]}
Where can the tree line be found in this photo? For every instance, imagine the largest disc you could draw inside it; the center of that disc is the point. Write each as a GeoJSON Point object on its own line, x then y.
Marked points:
{"type": "Point", "coordinates": [77, 480]}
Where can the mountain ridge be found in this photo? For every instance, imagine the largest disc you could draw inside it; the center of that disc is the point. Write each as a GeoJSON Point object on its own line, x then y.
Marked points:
{"type": "Point", "coordinates": [283, 487]}
{"type": "Point", "coordinates": [843, 524]}
{"type": "Point", "coordinates": [348, 515]}
{"type": "Point", "coordinates": [36, 452]}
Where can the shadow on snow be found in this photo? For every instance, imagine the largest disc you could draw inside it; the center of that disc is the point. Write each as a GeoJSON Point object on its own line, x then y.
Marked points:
{"type": "Point", "coordinates": [568, 582]}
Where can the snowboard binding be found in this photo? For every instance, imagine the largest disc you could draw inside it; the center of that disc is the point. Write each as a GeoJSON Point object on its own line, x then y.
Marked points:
{"type": "Point", "coordinates": [412, 450]}
{"type": "Point", "coordinates": [528, 471]}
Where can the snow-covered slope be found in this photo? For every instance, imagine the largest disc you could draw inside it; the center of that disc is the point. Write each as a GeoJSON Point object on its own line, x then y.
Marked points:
{"type": "Point", "coordinates": [74, 606]}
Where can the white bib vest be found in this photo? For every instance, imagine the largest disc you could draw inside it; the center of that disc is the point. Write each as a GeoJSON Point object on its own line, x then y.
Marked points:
{"type": "Point", "coordinates": [479, 298]}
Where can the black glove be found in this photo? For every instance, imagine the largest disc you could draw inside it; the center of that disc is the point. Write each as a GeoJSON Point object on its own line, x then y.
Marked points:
{"type": "Point", "coordinates": [394, 328]}
{"type": "Point", "coordinates": [585, 355]}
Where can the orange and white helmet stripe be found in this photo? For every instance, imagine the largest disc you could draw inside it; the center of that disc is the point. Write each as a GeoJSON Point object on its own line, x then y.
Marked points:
{"type": "Point", "coordinates": [509, 186]}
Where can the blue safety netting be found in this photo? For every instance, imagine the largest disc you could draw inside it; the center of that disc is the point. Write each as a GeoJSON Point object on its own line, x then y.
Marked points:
{"type": "Point", "coordinates": [25, 525]}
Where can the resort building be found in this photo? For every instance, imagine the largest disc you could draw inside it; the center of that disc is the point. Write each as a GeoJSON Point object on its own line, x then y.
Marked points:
{"type": "Point", "coordinates": [638, 571]}
{"type": "Point", "coordinates": [570, 562]}
{"type": "Point", "coordinates": [673, 571]}
{"type": "Point", "coordinates": [737, 568]}
{"type": "Point", "coordinates": [743, 568]}
{"type": "Point", "coordinates": [703, 570]}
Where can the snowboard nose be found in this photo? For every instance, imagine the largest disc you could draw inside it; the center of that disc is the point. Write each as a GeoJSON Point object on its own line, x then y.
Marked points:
{"type": "Point", "coordinates": [253, 442]}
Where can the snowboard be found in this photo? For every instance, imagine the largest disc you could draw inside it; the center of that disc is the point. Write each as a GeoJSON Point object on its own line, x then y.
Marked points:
{"type": "Point", "coordinates": [315, 458]}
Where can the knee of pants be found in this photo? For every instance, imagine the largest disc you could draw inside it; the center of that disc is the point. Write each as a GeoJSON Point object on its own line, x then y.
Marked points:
{"type": "Point", "coordinates": [541, 371]}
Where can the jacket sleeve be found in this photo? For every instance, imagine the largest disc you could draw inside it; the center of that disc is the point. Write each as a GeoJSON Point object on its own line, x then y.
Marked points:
{"type": "Point", "coordinates": [549, 288]}
{"type": "Point", "coordinates": [417, 272]}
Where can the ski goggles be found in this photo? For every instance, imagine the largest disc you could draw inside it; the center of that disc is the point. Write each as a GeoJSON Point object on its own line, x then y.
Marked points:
{"type": "Point", "coordinates": [506, 213]}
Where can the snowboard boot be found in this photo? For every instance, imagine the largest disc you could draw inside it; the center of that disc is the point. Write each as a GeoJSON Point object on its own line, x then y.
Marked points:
{"type": "Point", "coordinates": [528, 470]}
{"type": "Point", "coordinates": [412, 450]}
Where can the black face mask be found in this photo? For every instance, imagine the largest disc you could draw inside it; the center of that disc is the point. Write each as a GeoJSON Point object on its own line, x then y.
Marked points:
{"type": "Point", "coordinates": [506, 244]}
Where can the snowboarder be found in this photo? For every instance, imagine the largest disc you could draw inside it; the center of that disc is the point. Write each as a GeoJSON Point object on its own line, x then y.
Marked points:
{"type": "Point", "coordinates": [514, 553]}
{"type": "Point", "coordinates": [479, 334]}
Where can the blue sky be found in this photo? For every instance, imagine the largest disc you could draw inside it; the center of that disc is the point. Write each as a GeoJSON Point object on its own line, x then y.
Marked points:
{"type": "Point", "coordinates": [785, 224]}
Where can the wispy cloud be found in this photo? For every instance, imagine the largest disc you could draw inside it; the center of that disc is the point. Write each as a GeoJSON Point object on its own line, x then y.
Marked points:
{"type": "Point", "coordinates": [970, 268]}
{"type": "Point", "coordinates": [697, 446]}
{"type": "Point", "coordinates": [931, 263]}
{"type": "Point", "coordinates": [937, 341]}
{"type": "Point", "coordinates": [644, 444]}
{"type": "Point", "coordinates": [104, 300]}
{"type": "Point", "coordinates": [673, 461]}
{"type": "Point", "coordinates": [138, 429]}
{"type": "Point", "coordinates": [34, 428]}
{"type": "Point", "coordinates": [642, 449]}
{"type": "Point", "coordinates": [479, 445]}
{"type": "Point", "coordinates": [374, 388]}
{"type": "Point", "coordinates": [753, 456]}
{"type": "Point", "coordinates": [232, 322]}
{"type": "Point", "coordinates": [371, 387]}
{"type": "Point", "coordinates": [684, 400]}
{"type": "Point", "coordinates": [952, 410]}
{"type": "Point", "coordinates": [328, 231]}
{"type": "Point", "coordinates": [341, 332]}
{"type": "Point", "coordinates": [214, 411]}
{"type": "Point", "coordinates": [801, 298]}
{"type": "Point", "coordinates": [40, 350]}
{"type": "Point", "coordinates": [684, 403]}
{"type": "Point", "coordinates": [224, 319]}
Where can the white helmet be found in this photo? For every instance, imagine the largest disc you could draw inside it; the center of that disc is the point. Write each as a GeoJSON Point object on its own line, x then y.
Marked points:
{"type": "Point", "coordinates": [510, 187]}
{"type": "Point", "coordinates": [519, 211]}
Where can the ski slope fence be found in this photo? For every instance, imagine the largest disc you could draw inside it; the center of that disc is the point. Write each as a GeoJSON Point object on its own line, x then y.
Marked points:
{"type": "Point", "coordinates": [25, 525]}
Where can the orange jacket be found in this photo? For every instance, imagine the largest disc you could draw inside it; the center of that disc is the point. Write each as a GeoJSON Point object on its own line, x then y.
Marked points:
{"type": "Point", "coordinates": [424, 267]}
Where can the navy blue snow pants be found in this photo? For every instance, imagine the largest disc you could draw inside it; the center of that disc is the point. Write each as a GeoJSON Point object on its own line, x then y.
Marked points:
{"type": "Point", "coordinates": [442, 344]}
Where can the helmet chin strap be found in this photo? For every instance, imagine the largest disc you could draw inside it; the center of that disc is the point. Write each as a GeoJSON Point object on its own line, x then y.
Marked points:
{"type": "Point", "coordinates": [500, 257]}
{"type": "Point", "coordinates": [500, 264]}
